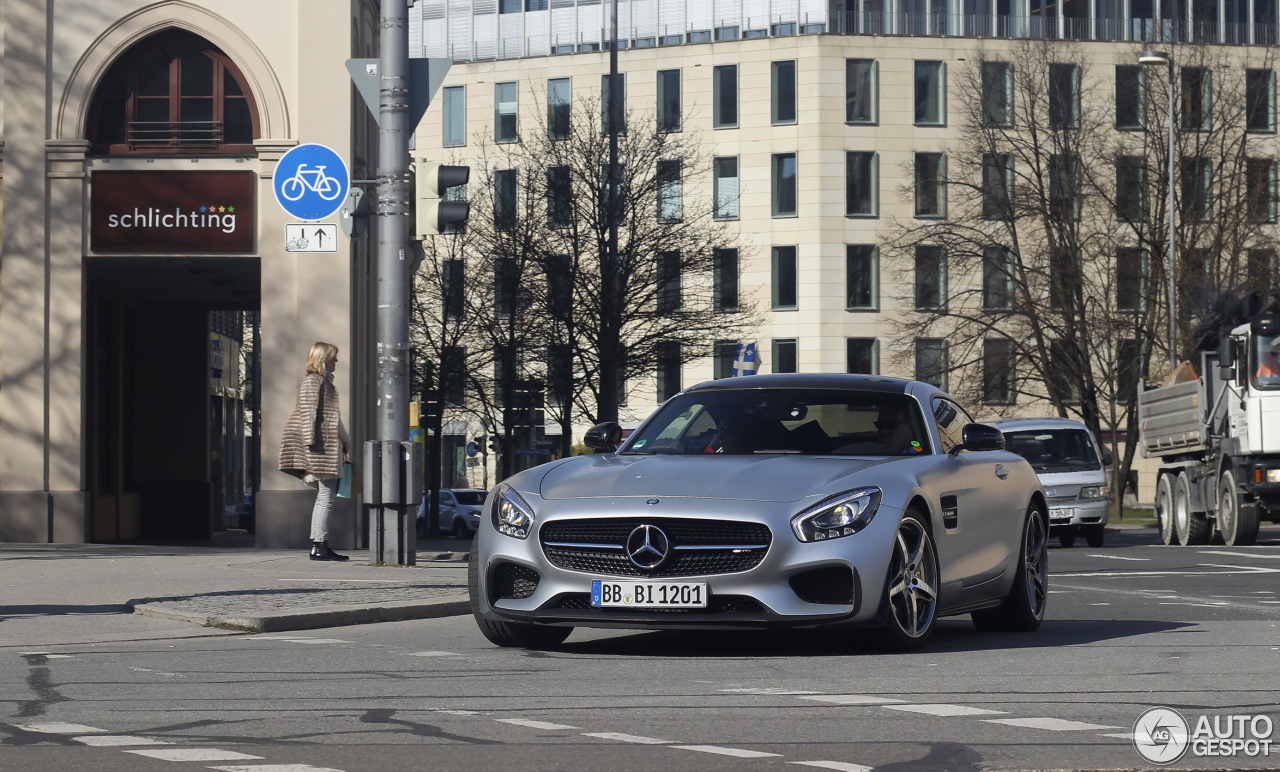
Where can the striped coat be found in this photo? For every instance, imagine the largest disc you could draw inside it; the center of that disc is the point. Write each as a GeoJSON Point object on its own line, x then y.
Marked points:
{"type": "Point", "coordinates": [313, 437]}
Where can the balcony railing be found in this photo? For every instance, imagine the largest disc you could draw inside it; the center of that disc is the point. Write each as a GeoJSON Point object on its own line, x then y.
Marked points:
{"type": "Point", "coordinates": [159, 135]}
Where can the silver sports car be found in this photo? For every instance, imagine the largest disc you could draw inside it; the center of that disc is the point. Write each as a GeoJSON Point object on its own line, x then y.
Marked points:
{"type": "Point", "coordinates": [770, 501]}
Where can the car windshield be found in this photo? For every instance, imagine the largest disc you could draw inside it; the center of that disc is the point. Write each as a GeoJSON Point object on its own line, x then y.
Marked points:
{"type": "Point", "coordinates": [1266, 369]}
{"type": "Point", "coordinates": [470, 498]}
{"type": "Point", "coordinates": [1054, 450]}
{"type": "Point", "coordinates": [811, 422]}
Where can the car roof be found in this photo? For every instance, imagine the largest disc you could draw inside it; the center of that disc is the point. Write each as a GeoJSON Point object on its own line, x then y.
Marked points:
{"type": "Point", "coordinates": [850, 381]}
{"type": "Point", "coordinates": [1034, 424]}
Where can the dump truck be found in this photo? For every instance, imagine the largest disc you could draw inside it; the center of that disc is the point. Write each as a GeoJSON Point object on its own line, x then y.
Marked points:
{"type": "Point", "coordinates": [1217, 435]}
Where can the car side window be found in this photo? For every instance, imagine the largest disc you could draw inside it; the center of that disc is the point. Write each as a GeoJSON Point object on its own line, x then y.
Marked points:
{"type": "Point", "coordinates": [446, 499]}
{"type": "Point", "coordinates": [951, 420]}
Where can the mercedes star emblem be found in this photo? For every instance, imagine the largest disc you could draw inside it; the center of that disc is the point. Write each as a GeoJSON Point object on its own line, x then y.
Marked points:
{"type": "Point", "coordinates": [647, 547]}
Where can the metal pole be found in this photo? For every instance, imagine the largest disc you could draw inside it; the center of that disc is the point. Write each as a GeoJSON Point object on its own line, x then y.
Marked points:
{"type": "Point", "coordinates": [611, 378]}
{"type": "Point", "coordinates": [1171, 269]}
{"type": "Point", "coordinates": [392, 315]}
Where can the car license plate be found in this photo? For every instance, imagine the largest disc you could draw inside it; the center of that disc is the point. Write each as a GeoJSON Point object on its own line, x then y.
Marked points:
{"type": "Point", "coordinates": [605, 594]}
{"type": "Point", "coordinates": [1061, 513]}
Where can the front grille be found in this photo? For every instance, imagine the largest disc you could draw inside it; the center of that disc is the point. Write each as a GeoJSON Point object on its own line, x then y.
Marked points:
{"type": "Point", "coordinates": [716, 604]}
{"type": "Point", "coordinates": [511, 580]}
{"type": "Point", "coordinates": [697, 547]}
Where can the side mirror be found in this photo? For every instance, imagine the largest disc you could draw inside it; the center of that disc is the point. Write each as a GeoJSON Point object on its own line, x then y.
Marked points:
{"type": "Point", "coordinates": [1227, 358]}
{"type": "Point", "coordinates": [604, 438]}
{"type": "Point", "coordinates": [980, 437]}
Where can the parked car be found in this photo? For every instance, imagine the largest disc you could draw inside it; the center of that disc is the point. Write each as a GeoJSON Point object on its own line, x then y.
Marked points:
{"type": "Point", "coordinates": [459, 512]}
{"type": "Point", "coordinates": [1073, 470]}
{"type": "Point", "coordinates": [788, 500]}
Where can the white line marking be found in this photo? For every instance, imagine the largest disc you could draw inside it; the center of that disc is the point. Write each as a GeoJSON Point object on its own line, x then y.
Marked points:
{"type": "Point", "coordinates": [839, 766]}
{"type": "Point", "coordinates": [366, 581]}
{"type": "Point", "coordinates": [766, 690]}
{"type": "Point", "coordinates": [60, 727]}
{"type": "Point", "coordinates": [736, 752]}
{"type": "Point", "coordinates": [433, 654]}
{"type": "Point", "coordinates": [850, 699]}
{"type": "Point", "coordinates": [318, 640]}
{"type": "Point", "coordinates": [276, 768]}
{"type": "Point", "coordinates": [193, 754]}
{"type": "Point", "coordinates": [946, 710]}
{"type": "Point", "coordinates": [117, 740]}
{"type": "Point", "coordinates": [1121, 735]}
{"type": "Point", "coordinates": [1116, 557]}
{"type": "Point", "coordinates": [534, 724]}
{"type": "Point", "coordinates": [1231, 570]}
{"type": "Point", "coordinates": [627, 738]}
{"type": "Point", "coordinates": [1238, 554]}
{"type": "Point", "coordinates": [1052, 724]}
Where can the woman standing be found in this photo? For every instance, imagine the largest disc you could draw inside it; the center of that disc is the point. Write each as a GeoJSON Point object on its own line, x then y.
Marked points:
{"type": "Point", "coordinates": [315, 442]}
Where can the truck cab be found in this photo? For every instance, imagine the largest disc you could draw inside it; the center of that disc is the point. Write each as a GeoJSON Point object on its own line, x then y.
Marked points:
{"type": "Point", "coordinates": [1072, 467]}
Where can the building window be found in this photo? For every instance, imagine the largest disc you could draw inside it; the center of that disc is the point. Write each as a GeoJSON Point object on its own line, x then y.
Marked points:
{"type": "Point", "coordinates": [1130, 97]}
{"type": "Point", "coordinates": [173, 93]}
{"type": "Point", "coordinates": [862, 356]}
{"type": "Point", "coordinates": [506, 287]}
{"type": "Point", "coordinates": [670, 192]}
{"type": "Point", "coordinates": [785, 279]}
{"type": "Point", "coordinates": [669, 114]}
{"type": "Point", "coordinates": [930, 94]}
{"type": "Point", "coordinates": [997, 278]}
{"type": "Point", "coordinates": [504, 199]}
{"type": "Point", "coordinates": [862, 277]}
{"type": "Point", "coordinates": [1197, 189]}
{"type": "Point", "coordinates": [732, 32]}
{"type": "Point", "coordinates": [607, 98]}
{"type": "Point", "coordinates": [931, 361]}
{"type": "Point", "coordinates": [862, 195]}
{"type": "Point", "coordinates": [699, 36]}
{"type": "Point", "coordinates": [559, 197]}
{"type": "Point", "coordinates": [1131, 278]}
{"type": "Point", "coordinates": [559, 374]}
{"type": "Point", "coordinates": [1197, 292]}
{"type": "Point", "coordinates": [1064, 96]}
{"type": "Point", "coordinates": [724, 84]}
{"type": "Point", "coordinates": [1128, 370]}
{"type": "Point", "coordinates": [785, 359]}
{"type": "Point", "coordinates": [504, 113]}
{"type": "Point", "coordinates": [783, 103]}
{"type": "Point", "coordinates": [1064, 364]}
{"type": "Point", "coordinates": [783, 198]}
{"type": "Point", "coordinates": [454, 304]}
{"type": "Point", "coordinates": [453, 116]}
{"type": "Point", "coordinates": [1131, 189]}
{"type": "Point", "coordinates": [453, 359]}
{"type": "Point", "coordinates": [931, 190]}
{"type": "Point", "coordinates": [509, 6]}
{"type": "Point", "coordinates": [1260, 100]}
{"type": "Point", "coordinates": [725, 279]}
{"type": "Point", "coordinates": [725, 187]}
{"type": "Point", "coordinates": [1260, 191]}
{"type": "Point", "coordinates": [724, 352]}
{"type": "Point", "coordinates": [997, 94]}
{"type": "Point", "coordinates": [998, 360]}
{"type": "Point", "coordinates": [997, 186]}
{"type": "Point", "coordinates": [860, 91]}
{"type": "Point", "coordinates": [1262, 267]}
{"type": "Point", "coordinates": [668, 353]}
{"type": "Point", "coordinates": [559, 270]}
{"type": "Point", "coordinates": [1065, 288]}
{"type": "Point", "coordinates": [669, 276]}
{"type": "Point", "coordinates": [1197, 98]}
{"type": "Point", "coordinates": [1064, 198]}
{"type": "Point", "coordinates": [931, 278]}
{"type": "Point", "coordinates": [558, 108]}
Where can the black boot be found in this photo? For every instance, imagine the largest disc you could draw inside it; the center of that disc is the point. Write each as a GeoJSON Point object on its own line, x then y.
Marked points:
{"type": "Point", "coordinates": [320, 550]}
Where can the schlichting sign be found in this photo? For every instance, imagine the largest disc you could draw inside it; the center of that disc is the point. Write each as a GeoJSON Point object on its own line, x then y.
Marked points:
{"type": "Point", "coordinates": [172, 212]}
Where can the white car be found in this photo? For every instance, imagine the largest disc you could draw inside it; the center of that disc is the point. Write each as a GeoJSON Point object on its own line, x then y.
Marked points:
{"type": "Point", "coordinates": [459, 512]}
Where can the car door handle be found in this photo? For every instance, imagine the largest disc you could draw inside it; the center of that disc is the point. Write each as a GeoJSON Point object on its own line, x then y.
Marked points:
{"type": "Point", "coordinates": [1002, 472]}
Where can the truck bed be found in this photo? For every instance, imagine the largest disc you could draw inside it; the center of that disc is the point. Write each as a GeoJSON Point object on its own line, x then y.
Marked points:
{"type": "Point", "coordinates": [1172, 419]}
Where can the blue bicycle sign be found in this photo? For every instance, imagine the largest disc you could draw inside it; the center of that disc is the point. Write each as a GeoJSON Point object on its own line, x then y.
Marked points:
{"type": "Point", "coordinates": [311, 182]}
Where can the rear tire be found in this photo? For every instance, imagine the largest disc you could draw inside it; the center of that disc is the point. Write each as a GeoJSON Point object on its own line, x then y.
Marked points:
{"type": "Point", "coordinates": [1094, 535]}
{"type": "Point", "coordinates": [910, 597]}
{"type": "Point", "coordinates": [510, 634]}
{"type": "Point", "coordinates": [1023, 608]}
{"type": "Point", "coordinates": [1164, 510]}
{"type": "Point", "coordinates": [460, 530]}
{"type": "Point", "coordinates": [1238, 524]}
{"type": "Point", "coordinates": [1192, 527]}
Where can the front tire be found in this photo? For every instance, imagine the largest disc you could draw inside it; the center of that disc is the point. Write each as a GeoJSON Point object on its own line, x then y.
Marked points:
{"type": "Point", "coordinates": [510, 634]}
{"type": "Point", "coordinates": [1192, 527]}
{"type": "Point", "coordinates": [1237, 524]}
{"type": "Point", "coordinates": [1023, 608]}
{"type": "Point", "coordinates": [911, 588]}
{"type": "Point", "coordinates": [1164, 510]}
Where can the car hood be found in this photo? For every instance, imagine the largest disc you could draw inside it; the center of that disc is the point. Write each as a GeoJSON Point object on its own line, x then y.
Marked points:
{"type": "Point", "coordinates": [779, 478]}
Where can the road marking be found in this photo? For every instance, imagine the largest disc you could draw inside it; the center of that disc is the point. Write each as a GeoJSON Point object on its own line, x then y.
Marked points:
{"type": "Point", "coordinates": [60, 727]}
{"type": "Point", "coordinates": [946, 710]}
{"type": "Point", "coordinates": [318, 640]}
{"type": "Point", "coordinates": [534, 724]}
{"type": "Point", "coordinates": [432, 653]}
{"type": "Point", "coordinates": [1116, 557]}
{"type": "Point", "coordinates": [193, 754]}
{"type": "Point", "coordinates": [627, 738]}
{"type": "Point", "coordinates": [348, 581]}
{"type": "Point", "coordinates": [117, 740]}
{"type": "Point", "coordinates": [1239, 554]}
{"type": "Point", "coordinates": [276, 768]}
{"type": "Point", "coordinates": [840, 766]}
{"type": "Point", "coordinates": [1230, 571]}
{"type": "Point", "coordinates": [1120, 735]}
{"type": "Point", "coordinates": [850, 699]}
{"type": "Point", "coordinates": [735, 752]}
{"type": "Point", "coordinates": [1052, 724]}
{"type": "Point", "coordinates": [44, 654]}
{"type": "Point", "coordinates": [767, 690]}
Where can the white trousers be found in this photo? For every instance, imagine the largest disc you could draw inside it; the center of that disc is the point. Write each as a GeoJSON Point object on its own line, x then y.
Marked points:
{"type": "Point", "coordinates": [325, 493]}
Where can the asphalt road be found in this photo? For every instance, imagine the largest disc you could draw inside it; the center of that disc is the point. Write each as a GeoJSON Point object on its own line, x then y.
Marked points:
{"type": "Point", "coordinates": [1131, 626]}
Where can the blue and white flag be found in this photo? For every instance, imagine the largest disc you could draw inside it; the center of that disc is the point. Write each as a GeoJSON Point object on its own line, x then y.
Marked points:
{"type": "Point", "coordinates": [744, 362]}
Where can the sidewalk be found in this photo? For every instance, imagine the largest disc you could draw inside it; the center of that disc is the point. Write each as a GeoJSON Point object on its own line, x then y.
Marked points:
{"type": "Point", "coordinates": [237, 588]}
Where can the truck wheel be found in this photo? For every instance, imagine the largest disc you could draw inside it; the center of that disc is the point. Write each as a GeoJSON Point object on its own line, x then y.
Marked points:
{"type": "Point", "coordinates": [1238, 524]}
{"type": "Point", "coordinates": [1192, 527]}
{"type": "Point", "coordinates": [1094, 535]}
{"type": "Point", "coordinates": [1164, 510]}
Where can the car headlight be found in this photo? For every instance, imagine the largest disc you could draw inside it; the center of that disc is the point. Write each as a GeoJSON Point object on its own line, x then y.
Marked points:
{"type": "Point", "coordinates": [1095, 492]}
{"type": "Point", "coordinates": [512, 515]}
{"type": "Point", "coordinates": [843, 514]}
{"type": "Point", "coordinates": [1273, 475]}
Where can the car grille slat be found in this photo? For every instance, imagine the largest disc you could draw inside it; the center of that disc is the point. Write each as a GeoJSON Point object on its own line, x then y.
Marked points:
{"type": "Point", "coordinates": [698, 547]}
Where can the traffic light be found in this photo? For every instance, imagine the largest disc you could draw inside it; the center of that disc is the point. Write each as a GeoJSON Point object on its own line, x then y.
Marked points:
{"type": "Point", "coordinates": [495, 444]}
{"type": "Point", "coordinates": [432, 214]}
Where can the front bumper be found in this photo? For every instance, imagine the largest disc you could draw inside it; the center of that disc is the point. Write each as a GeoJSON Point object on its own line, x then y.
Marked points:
{"type": "Point", "coordinates": [1088, 512]}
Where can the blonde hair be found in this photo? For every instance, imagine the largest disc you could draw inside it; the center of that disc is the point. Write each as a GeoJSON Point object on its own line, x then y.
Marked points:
{"type": "Point", "coordinates": [320, 355]}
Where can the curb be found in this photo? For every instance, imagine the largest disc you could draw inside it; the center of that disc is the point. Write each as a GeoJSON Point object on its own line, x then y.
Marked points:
{"type": "Point", "coordinates": [330, 616]}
